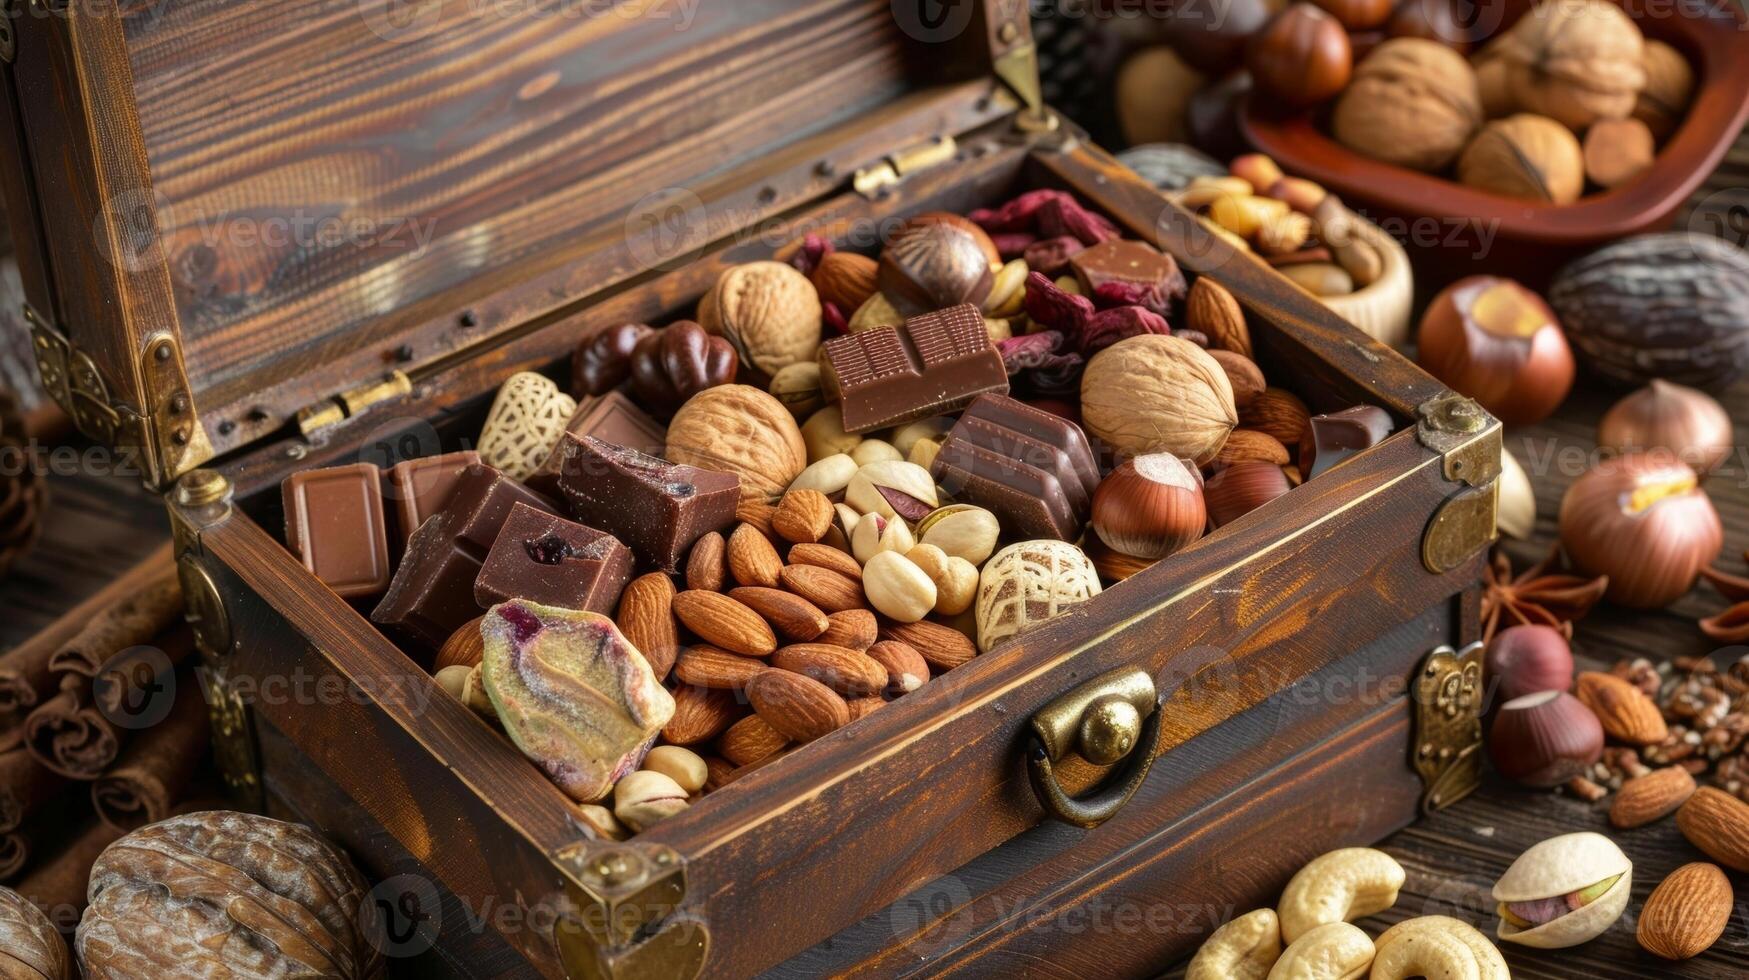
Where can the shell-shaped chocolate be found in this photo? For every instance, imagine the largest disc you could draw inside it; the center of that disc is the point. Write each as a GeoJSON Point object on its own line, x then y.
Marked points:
{"type": "Point", "coordinates": [30, 946]}
{"type": "Point", "coordinates": [223, 894]}
{"type": "Point", "coordinates": [932, 266]}
{"type": "Point", "coordinates": [1672, 306]}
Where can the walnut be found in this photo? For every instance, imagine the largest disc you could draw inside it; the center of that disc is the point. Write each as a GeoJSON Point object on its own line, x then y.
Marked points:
{"type": "Point", "coordinates": [742, 430]}
{"type": "Point", "coordinates": [1412, 102]}
{"type": "Point", "coordinates": [29, 944]}
{"type": "Point", "coordinates": [1525, 156]}
{"type": "Point", "coordinates": [768, 310]}
{"type": "Point", "coordinates": [1154, 393]}
{"type": "Point", "coordinates": [226, 894]}
{"type": "Point", "coordinates": [1669, 85]}
{"type": "Point", "coordinates": [1576, 61]}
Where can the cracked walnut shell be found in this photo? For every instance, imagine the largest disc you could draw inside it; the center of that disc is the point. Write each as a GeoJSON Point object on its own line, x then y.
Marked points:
{"type": "Point", "coordinates": [1413, 103]}
{"type": "Point", "coordinates": [1527, 156]}
{"type": "Point", "coordinates": [768, 310]}
{"type": "Point", "coordinates": [227, 894]}
{"type": "Point", "coordinates": [1158, 394]}
{"type": "Point", "coordinates": [741, 430]}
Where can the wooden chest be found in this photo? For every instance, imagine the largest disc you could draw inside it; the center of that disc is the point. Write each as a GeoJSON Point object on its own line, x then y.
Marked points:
{"type": "Point", "coordinates": [492, 181]}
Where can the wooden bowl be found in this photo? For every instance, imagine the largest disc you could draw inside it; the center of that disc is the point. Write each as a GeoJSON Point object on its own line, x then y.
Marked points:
{"type": "Point", "coordinates": [1382, 309]}
{"type": "Point", "coordinates": [1474, 231]}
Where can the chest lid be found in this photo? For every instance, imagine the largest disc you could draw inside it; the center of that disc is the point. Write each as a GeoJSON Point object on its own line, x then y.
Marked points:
{"type": "Point", "coordinates": [302, 202]}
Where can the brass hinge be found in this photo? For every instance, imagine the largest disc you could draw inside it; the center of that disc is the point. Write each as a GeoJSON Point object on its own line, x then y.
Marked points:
{"type": "Point", "coordinates": [165, 435]}
{"type": "Point", "coordinates": [872, 181]}
{"type": "Point", "coordinates": [1448, 725]}
{"type": "Point", "coordinates": [626, 922]}
{"type": "Point", "coordinates": [338, 408]}
{"type": "Point", "coordinates": [1468, 440]}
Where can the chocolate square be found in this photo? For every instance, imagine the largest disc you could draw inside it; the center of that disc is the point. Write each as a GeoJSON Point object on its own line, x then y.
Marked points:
{"type": "Point", "coordinates": [932, 365]}
{"type": "Point", "coordinates": [543, 558]}
{"type": "Point", "coordinates": [656, 507]}
{"type": "Point", "coordinates": [611, 418]}
{"type": "Point", "coordinates": [1033, 470]}
{"type": "Point", "coordinates": [334, 523]}
{"type": "Point", "coordinates": [420, 487]}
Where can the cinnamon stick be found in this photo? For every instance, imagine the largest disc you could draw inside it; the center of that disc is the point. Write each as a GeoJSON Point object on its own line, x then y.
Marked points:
{"type": "Point", "coordinates": [152, 606]}
{"type": "Point", "coordinates": [79, 735]}
{"type": "Point", "coordinates": [25, 784]}
{"type": "Point", "coordinates": [26, 677]}
{"type": "Point", "coordinates": [69, 736]}
{"type": "Point", "coordinates": [152, 773]}
{"type": "Point", "coordinates": [57, 884]}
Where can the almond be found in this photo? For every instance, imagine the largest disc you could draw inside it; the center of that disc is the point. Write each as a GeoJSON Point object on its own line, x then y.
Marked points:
{"type": "Point", "coordinates": [1277, 412]}
{"type": "Point", "coordinates": [749, 740]}
{"type": "Point", "coordinates": [707, 564]}
{"type": "Point", "coordinates": [718, 772]}
{"type": "Point", "coordinates": [1213, 311]}
{"type": "Point", "coordinates": [853, 628]}
{"type": "Point", "coordinates": [1717, 823]}
{"type": "Point", "coordinates": [791, 615]}
{"type": "Point", "coordinates": [1651, 797]}
{"type": "Point", "coordinates": [906, 669]}
{"type": "Point", "coordinates": [1687, 912]}
{"type": "Point", "coordinates": [1244, 445]}
{"type": "Point", "coordinates": [724, 622]}
{"type": "Point", "coordinates": [1625, 711]}
{"type": "Point", "coordinates": [700, 714]}
{"type": "Point", "coordinates": [1243, 374]}
{"type": "Point", "coordinates": [828, 557]}
{"type": "Point", "coordinates": [803, 516]}
{"type": "Point", "coordinates": [860, 707]}
{"type": "Point", "coordinates": [466, 647]}
{"type": "Point", "coordinates": [845, 279]}
{"type": "Point", "coordinates": [757, 514]}
{"type": "Point", "coordinates": [797, 706]}
{"type": "Point", "coordinates": [646, 620]}
{"type": "Point", "coordinates": [942, 646]}
{"type": "Point", "coordinates": [752, 559]}
{"type": "Point", "coordinates": [846, 671]}
{"type": "Point", "coordinates": [715, 668]}
{"type": "Point", "coordinates": [822, 587]}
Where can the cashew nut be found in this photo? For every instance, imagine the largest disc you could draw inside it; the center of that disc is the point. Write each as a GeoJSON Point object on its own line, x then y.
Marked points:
{"type": "Point", "coordinates": [1332, 951]}
{"type": "Point", "coordinates": [1437, 947]}
{"type": "Point", "coordinates": [1341, 886]}
{"type": "Point", "coordinates": [1243, 949]}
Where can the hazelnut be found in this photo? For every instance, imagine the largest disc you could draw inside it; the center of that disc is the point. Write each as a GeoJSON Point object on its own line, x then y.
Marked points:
{"type": "Point", "coordinates": [1301, 57]}
{"type": "Point", "coordinates": [1155, 393]}
{"type": "Point", "coordinates": [768, 310]}
{"type": "Point", "coordinates": [1413, 103]}
{"type": "Point", "coordinates": [1150, 507]}
{"type": "Point", "coordinates": [1525, 156]}
{"type": "Point", "coordinates": [741, 430]}
{"type": "Point", "coordinates": [956, 580]}
{"type": "Point", "coordinates": [874, 534]}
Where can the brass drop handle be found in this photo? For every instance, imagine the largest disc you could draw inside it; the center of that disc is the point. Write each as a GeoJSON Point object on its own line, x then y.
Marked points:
{"type": "Point", "coordinates": [1111, 719]}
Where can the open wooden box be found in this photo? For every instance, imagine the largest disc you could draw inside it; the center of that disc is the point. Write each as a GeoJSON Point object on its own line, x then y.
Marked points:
{"type": "Point", "coordinates": [591, 169]}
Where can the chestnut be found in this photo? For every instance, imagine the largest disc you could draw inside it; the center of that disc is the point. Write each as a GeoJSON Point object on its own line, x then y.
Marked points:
{"type": "Point", "coordinates": [1499, 343]}
{"type": "Point", "coordinates": [1673, 418]}
{"type": "Point", "coordinates": [1150, 506]}
{"type": "Point", "coordinates": [1643, 520]}
{"type": "Point", "coordinates": [1544, 739]}
{"type": "Point", "coordinates": [1527, 659]}
{"type": "Point", "coordinates": [1241, 488]}
{"type": "Point", "coordinates": [1301, 57]}
{"type": "Point", "coordinates": [1433, 20]}
{"type": "Point", "coordinates": [1357, 15]}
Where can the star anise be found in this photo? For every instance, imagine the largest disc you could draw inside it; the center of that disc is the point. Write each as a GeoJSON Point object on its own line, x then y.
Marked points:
{"type": "Point", "coordinates": [1540, 595]}
{"type": "Point", "coordinates": [1732, 625]}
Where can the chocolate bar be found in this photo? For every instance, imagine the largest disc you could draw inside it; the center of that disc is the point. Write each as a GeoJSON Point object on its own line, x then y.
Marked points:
{"type": "Point", "coordinates": [1034, 470]}
{"type": "Point", "coordinates": [1339, 435]}
{"type": "Point", "coordinates": [420, 487]}
{"type": "Point", "coordinates": [432, 593]}
{"type": "Point", "coordinates": [611, 418]}
{"type": "Point", "coordinates": [656, 507]}
{"type": "Point", "coordinates": [540, 557]}
{"type": "Point", "coordinates": [934, 364]}
{"type": "Point", "coordinates": [334, 523]}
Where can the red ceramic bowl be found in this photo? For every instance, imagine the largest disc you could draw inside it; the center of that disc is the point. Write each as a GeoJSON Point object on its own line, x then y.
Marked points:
{"type": "Point", "coordinates": [1461, 230]}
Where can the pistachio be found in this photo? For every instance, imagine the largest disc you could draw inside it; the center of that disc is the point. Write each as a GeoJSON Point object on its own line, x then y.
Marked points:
{"type": "Point", "coordinates": [874, 451]}
{"type": "Point", "coordinates": [907, 435]}
{"type": "Point", "coordinates": [682, 765]}
{"type": "Point", "coordinates": [875, 534]}
{"type": "Point", "coordinates": [645, 798]}
{"type": "Point", "coordinates": [892, 488]}
{"type": "Point", "coordinates": [829, 474]}
{"type": "Point", "coordinates": [823, 434]}
{"type": "Point", "coordinates": [601, 820]}
{"type": "Point", "coordinates": [1563, 891]}
{"type": "Point", "coordinates": [961, 530]}
{"type": "Point", "coordinates": [897, 588]}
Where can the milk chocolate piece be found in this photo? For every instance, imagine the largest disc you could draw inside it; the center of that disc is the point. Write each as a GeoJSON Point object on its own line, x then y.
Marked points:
{"type": "Point", "coordinates": [420, 487]}
{"type": "Point", "coordinates": [611, 418]}
{"type": "Point", "coordinates": [932, 365]}
{"type": "Point", "coordinates": [1339, 435]}
{"type": "Point", "coordinates": [433, 591]}
{"type": "Point", "coordinates": [656, 507]}
{"type": "Point", "coordinates": [1127, 262]}
{"type": "Point", "coordinates": [1032, 469]}
{"type": "Point", "coordinates": [334, 522]}
{"type": "Point", "coordinates": [540, 557]}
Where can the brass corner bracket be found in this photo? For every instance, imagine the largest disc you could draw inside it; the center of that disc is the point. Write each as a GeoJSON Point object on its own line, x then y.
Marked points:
{"type": "Point", "coordinates": [1468, 440]}
{"type": "Point", "coordinates": [1448, 725]}
{"type": "Point", "coordinates": [164, 435]}
{"type": "Point", "coordinates": [626, 920]}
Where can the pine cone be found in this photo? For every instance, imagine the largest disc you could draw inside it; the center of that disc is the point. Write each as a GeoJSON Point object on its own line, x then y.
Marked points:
{"type": "Point", "coordinates": [23, 492]}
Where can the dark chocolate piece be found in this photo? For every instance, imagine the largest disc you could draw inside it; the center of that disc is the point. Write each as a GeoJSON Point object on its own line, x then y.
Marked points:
{"type": "Point", "coordinates": [542, 558]}
{"type": "Point", "coordinates": [1034, 470]}
{"type": "Point", "coordinates": [1128, 262]}
{"type": "Point", "coordinates": [334, 522]}
{"type": "Point", "coordinates": [656, 507]}
{"type": "Point", "coordinates": [611, 418]}
{"type": "Point", "coordinates": [420, 487]}
{"type": "Point", "coordinates": [934, 364]}
{"type": "Point", "coordinates": [1339, 435]}
{"type": "Point", "coordinates": [433, 591]}
{"type": "Point", "coordinates": [932, 265]}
